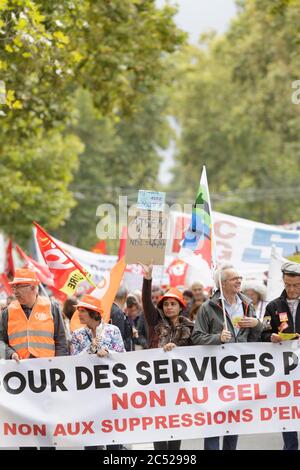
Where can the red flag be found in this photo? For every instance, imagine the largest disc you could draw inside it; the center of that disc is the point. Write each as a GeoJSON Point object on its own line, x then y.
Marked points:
{"type": "Point", "coordinates": [4, 285]}
{"type": "Point", "coordinates": [42, 272]}
{"type": "Point", "coordinates": [67, 272]}
{"type": "Point", "coordinates": [181, 226]}
{"type": "Point", "coordinates": [177, 272]}
{"type": "Point", "coordinates": [9, 267]}
{"type": "Point", "coordinates": [100, 247]}
{"type": "Point", "coordinates": [122, 245]}
{"type": "Point", "coordinates": [59, 295]}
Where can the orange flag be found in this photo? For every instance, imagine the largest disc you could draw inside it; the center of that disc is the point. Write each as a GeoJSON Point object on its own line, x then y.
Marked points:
{"type": "Point", "coordinates": [105, 291]}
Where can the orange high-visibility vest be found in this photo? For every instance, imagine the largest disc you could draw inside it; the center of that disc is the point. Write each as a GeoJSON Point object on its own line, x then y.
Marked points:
{"type": "Point", "coordinates": [33, 336]}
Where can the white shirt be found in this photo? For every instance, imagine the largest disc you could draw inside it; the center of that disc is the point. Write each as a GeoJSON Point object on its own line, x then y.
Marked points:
{"type": "Point", "coordinates": [235, 311]}
{"type": "Point", "coordinates": [293, 305]}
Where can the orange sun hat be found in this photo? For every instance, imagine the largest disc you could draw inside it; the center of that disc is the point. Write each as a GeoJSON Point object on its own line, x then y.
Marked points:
{"type": "Point", "coordinates": [174, 294]}
{"type": "Point", "coordinates": [91, 303]}
{"type": "Point", "coordinates": [25, 276]}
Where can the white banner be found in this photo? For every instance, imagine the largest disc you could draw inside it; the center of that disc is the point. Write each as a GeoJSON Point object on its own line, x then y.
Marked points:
{"type": "Point", "coordinates": [147, 396]}
{"type": "Point", "coordinates": [275, 282]}
{"type": "Point", "coordinates": [244, 243]}
{"type": "Point", "coordinates": [100, 266]}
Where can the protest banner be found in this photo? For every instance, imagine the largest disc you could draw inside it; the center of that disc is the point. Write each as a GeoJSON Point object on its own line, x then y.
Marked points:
{"type": "Point", "coordinates": [146, 238]}
{"type": "Point", "coordinates": [244, 243]}
{"type": "Point", "coordinates": [275, 281]}
{"type": "Point", "coordinates": [145, 396]}
{"type": "Point", "coordinates": [133, 276]}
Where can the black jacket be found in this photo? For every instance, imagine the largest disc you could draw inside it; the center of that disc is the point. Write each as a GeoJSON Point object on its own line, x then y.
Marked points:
{"type": "Point", "coordinates": [143, 331]}
{"type": "Point", "coordinates": [277, 313]}
{"type": "Point", "coordinates": [119, 319]}
{"type": "Point", "coordinates": [210, 323]}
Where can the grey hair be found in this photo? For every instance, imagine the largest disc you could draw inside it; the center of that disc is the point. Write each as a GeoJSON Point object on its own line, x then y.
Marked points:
{"type": "Point", "coordinates": [196, 284]}
{"type": "Point", "coordinates": [220, 273]}
{"type": "Point", "coordinates": [257, 287]}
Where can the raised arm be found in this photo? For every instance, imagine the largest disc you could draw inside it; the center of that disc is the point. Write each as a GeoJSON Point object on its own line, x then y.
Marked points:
{"type": "Point", "coordinates": [150, 311]}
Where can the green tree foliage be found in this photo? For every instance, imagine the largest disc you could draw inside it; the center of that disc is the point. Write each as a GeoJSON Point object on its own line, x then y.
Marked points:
{"type": "Point", "coordinates": [33, 182]}
{"type": "Point", "coordinates": [114, 48]}
{"type": "Point", "coordinates": [120, 157]}
{"type": "Point", "coordinates": [48, 49]}
{"type": "Point", "coordinates": [234, 105]}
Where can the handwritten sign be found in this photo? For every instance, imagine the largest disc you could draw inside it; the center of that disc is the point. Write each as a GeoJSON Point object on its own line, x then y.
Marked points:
{"type": "Point", "coordinates": [147, 237]}
{"type": "Point", "coordinates": [151, 200]}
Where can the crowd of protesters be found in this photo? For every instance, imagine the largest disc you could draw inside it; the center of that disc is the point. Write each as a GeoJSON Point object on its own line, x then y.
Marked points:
{"type": "Point", "coordinates": [155, 317]}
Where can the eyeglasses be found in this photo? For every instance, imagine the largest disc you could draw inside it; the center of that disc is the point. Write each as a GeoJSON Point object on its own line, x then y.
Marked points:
{"type": "Point", "coordinates": [19, 286]}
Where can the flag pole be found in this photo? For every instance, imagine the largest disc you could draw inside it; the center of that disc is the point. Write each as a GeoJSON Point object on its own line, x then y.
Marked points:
{"type": "Point", "coordinates": [222, 301]}
{"type": "Point", "coordinates": [77, 265]}
{"type": "Point", "coordinates": [213, 252]}
{"type": "Point", "coordinates": [44, 290]}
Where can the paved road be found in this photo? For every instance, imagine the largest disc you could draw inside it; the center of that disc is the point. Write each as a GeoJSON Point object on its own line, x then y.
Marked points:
{"type": "Point", "coordinates": [246, 442]}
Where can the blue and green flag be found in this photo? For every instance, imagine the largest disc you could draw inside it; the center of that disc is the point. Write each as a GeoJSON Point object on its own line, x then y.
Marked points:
{"type": "Point", "coordinates": [198, 237]}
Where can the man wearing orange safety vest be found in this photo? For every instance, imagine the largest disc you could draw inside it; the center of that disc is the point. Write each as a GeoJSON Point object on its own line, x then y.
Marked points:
{"type": "Point", "coordinates": [32, 325]}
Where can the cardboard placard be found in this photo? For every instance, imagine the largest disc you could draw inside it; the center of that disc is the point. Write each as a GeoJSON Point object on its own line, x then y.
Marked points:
{"type": "Point", "coordinates": [147, 238]}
